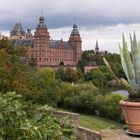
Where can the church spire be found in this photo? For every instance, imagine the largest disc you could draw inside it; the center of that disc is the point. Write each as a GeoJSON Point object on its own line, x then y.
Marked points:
{"type": "Point", "coordinates": [97, 47]}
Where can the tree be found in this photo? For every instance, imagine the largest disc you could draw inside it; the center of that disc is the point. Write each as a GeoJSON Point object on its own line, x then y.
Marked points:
{"type": "Point", "coordinates": [59, 73]}
{"type": "Point", "coordinates": [48, 87]}
{"type": "Point", "coordinates": [97, 77]}
{"type": "Point", "coordinates": [15, 72]}
{"type": "Point", "coordinates": [106, 73]}
{"type": "Point", "coordinates": [111, 108]}
{"type": "Point", "coordinates": [70, 75]}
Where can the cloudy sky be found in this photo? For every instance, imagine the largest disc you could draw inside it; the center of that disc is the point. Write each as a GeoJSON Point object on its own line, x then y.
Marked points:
{"type": "Point", "coordinates": [102, 20]}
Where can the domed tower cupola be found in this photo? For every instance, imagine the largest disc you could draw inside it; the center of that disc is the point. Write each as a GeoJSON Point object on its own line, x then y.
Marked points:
{"type": "Point", "coordinates": [75, 30]}
{"type": "Point", "coordinates": [41, 23]}
{"type": "Point", "coordinates": [75, 36]}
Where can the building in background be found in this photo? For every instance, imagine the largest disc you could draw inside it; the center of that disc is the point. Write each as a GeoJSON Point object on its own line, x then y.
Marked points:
{"type": "Point", "coordinates": [98, 51]}
{"type": "Point", "coordinates": [45, 51]}
{"type": "Point", "coordinates": [21, 38]}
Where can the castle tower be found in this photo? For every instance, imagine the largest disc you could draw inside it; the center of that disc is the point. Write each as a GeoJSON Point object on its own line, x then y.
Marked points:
{"type": "Point", "coordinates": [41, 42]}
{"type": "Point", "coordinates": [75, 41]}
{"type": "Point", "coordinates": [29, 34]}
{"type": "Point", "coordinates": [96, 47]}
{"type": "Point", "coordinates": [17, 32]}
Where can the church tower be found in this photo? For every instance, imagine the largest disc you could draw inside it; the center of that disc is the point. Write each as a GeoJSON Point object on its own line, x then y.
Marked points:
{"type": "Point", "coordinates": [75, 41]}
{"type": "Point", "coordinates": [96, 47]}
{"type": "Point", "coordinates": [41, 42]}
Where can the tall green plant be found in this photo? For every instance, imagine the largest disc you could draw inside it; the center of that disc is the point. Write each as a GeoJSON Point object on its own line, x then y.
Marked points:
{"type": "Point", "coordinates": [131, 65]}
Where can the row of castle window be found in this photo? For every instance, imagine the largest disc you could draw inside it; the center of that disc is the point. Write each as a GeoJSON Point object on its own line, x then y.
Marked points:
{"type": "Point", "coordinates": [47, 59]}
{"type": "Point", "coordinates": [70, 54]}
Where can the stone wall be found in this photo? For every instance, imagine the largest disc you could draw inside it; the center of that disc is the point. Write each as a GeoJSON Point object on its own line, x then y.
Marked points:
{"type": "Point", "coordinates": [81, 132]}
{"type": "Point", "coordinates": [72, 116]}
{"type": "Point", "coordinates": [87, 134]}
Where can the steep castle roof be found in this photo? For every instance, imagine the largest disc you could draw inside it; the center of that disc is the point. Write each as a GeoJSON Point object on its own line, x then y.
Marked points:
{"type": "Point", "coordinates": [22, 42]}
{"type": "Point", "coordinates": [55, 43]}
{"type": "Point", "coordinates": [17, 30]}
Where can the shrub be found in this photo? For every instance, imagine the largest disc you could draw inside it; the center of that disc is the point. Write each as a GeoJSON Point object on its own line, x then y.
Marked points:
{"type": "Point", "coordinates": [97, 77]}
{"type": "Point", "coordinates": [36, 124]}
{"type": "Point", "coordinates": [98, 103]}
{"type": "Point", "coordinates": [111, 108]}
{"type": "Point", "coordinates": [78, 97]}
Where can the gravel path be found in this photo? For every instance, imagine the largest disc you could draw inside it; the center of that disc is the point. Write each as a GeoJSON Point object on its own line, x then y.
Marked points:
{"type": "Point", "coordinates": [116, 135]}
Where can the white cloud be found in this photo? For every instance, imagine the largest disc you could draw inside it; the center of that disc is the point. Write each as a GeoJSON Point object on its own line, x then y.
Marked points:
{"type": "Point", "coordinates": [108, 37]}
{"type": "Point", "coordinates": [102, 20]}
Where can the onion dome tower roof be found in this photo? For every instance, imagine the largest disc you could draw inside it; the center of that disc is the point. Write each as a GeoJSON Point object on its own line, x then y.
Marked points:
{"type": "Point", "coordinates": [41, 22]}
{"type": "Point", "coordinates": [75, 30]}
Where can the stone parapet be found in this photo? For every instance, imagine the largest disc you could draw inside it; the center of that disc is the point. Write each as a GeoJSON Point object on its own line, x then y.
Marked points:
{"type": "Point", "coordinates": [87, 134]}
{"type": "Point", "coordinates": [81, 132]}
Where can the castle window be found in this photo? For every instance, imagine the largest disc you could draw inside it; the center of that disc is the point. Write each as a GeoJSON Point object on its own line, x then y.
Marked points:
{"type": "Point", "coordinates": [39, 59]}
{"type": "Point", "coordinates": [50, 59]}
{"type": "Point", "coordinates": [45, 59]}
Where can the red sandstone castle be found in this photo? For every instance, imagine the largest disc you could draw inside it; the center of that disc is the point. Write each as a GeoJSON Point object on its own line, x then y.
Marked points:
{"type": "Point", "coordinates": [45, 51]}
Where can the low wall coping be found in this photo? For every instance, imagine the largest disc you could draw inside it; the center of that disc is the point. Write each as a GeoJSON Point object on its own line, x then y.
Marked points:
{"type": "Point", "coordinates": [67, 113]}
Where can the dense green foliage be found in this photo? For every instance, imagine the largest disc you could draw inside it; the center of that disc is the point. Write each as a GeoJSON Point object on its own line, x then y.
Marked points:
{"type": "Point", "coordinates": [98, 77]}
{"type": "Point", "coordinates": [47, 87]}
{"type": "Point", "coordinates": [15, 72]}
{"type": "Point", "coordinates": [69, 75]}
{"type": "Point", "coordinates": [65, 88]}
{"type": "Point", "coordinates": [91, 58]}
{"type": "Point", "coordinates": [18, 118]}
{"type": "Point", "coordinates": [85, 98]}
{"type": "Point", "coordinates": [22, 121]}
{"type": "Point", "coordinates": [18, 74]}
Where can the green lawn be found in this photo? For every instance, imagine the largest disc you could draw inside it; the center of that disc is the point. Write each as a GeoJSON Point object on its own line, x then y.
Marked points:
{"type": "Point", "coordinates": [96, 123]}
